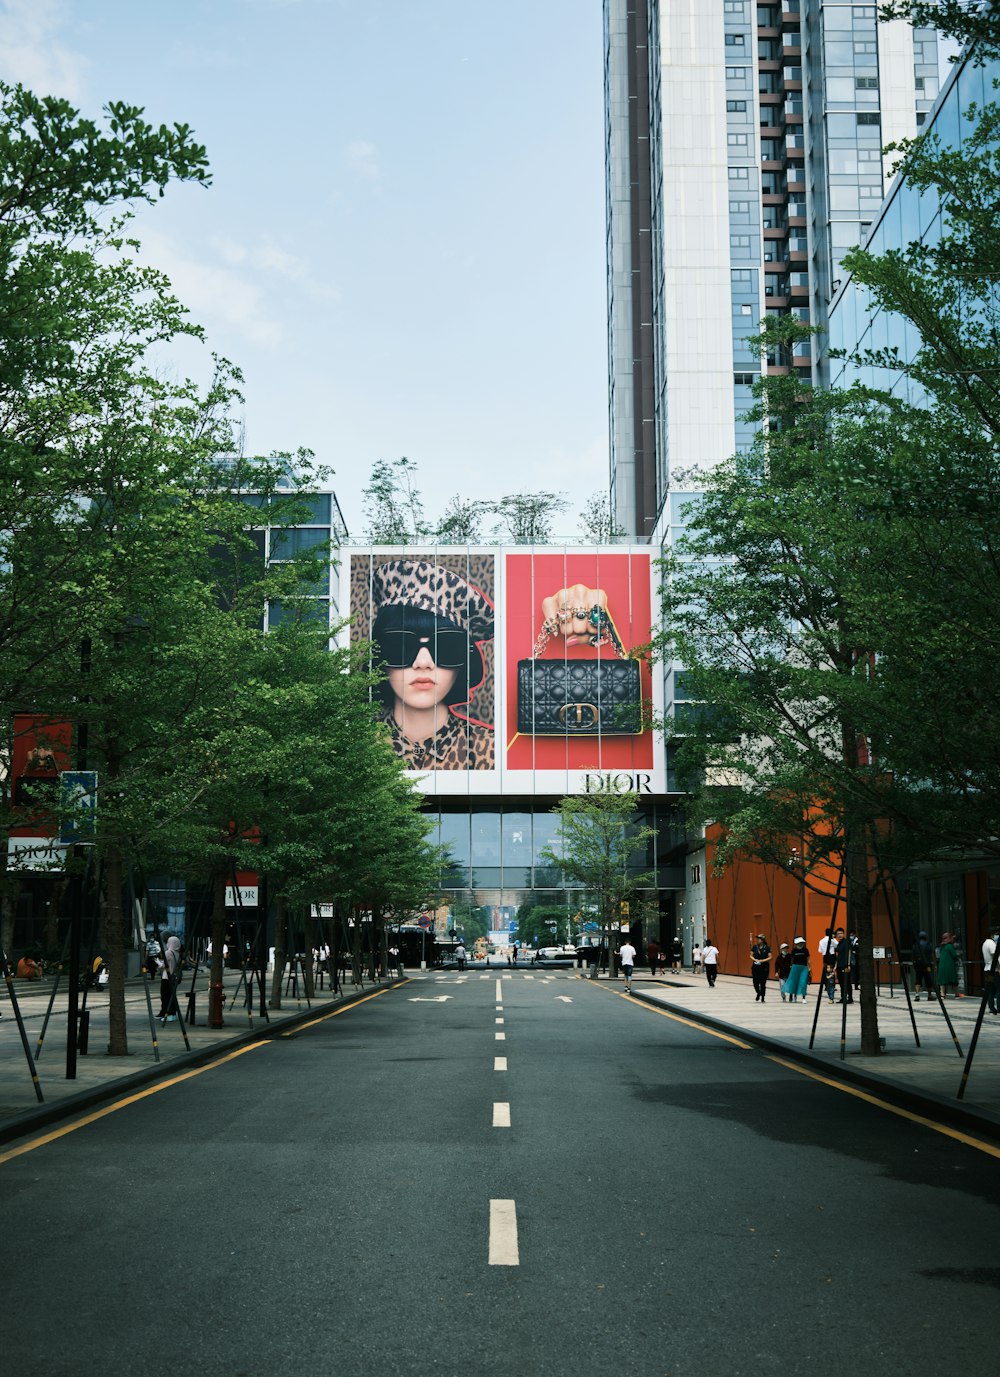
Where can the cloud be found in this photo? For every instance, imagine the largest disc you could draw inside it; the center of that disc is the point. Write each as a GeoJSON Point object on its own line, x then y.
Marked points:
{"type": "Point", "coordinates": [31, 53]}
{"type": "Point", "coordinates": [362, 157]}
{"type": "Point", "coordinates": [213, 293]}
{"type": "Point", "coordinates": [267, 257]}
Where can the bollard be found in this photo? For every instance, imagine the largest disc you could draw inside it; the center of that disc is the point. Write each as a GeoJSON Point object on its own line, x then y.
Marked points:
{"type": "Point", "coordinates": [192, 996]}
{"type": "Point", "coordinates": [83, 1037]}
{"type": "Point", "coordinates": [215, 998]}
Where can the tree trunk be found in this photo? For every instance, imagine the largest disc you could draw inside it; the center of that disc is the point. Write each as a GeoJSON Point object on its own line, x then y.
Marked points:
{"type": "Point", "coordinates": [8, 914]}
{"type": "Point", "coordinates": [218, 931]}
{"type": "Point", "coordinates": [280, 951]}
{"type": "Point", "coordinates": [356, 949]}
{"type": "Point", "coordinates": [859, 916]}
{"type": "Point", "coordinates": [116, 954]}
{"type": "Point", "coordinates": [52, 909]}
{"type": "Point", "coordinates": [309, 975]}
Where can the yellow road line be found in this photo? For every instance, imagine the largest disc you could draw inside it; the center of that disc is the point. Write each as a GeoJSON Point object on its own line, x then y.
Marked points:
{"type": "Point", "coordinates": [121, 1104]}
{"type": "Point", "coordinates": [989, 1148]}
{"type": "Point", "coordinates": [299, 1028]}
{"type": "Point", "coordinates": [688, 1023]}
{"type": "Point", "coordinates": [58, 1133]}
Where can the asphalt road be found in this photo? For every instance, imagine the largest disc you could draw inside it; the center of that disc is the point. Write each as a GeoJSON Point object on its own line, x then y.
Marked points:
{"type": "Point", "coordinates": [669, 1203]}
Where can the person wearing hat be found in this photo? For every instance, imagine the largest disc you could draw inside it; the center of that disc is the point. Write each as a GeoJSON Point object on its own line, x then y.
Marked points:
{"type": "Point", "coordinates": [782, 966]}
{"type": "Point", "coordinates": [760, 957]}
{"type": "Point", "coordinates": [797, 984]}
{"type": "Point", "coordinates": [947, 969]}
{"type": "Point", "coordinates": [428, 628]}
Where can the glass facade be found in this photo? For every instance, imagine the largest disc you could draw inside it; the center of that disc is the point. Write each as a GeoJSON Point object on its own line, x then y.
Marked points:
{"type": "Point", "coordinates": [907, 215]}
{"type": "Point", "coordinates": [496, 857]}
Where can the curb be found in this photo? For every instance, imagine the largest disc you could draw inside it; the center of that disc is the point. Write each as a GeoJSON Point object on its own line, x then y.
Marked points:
{"type": "Point", "coordinates": [46, 1114]}
{"type": "Point", "coordinates": [925, 1103]}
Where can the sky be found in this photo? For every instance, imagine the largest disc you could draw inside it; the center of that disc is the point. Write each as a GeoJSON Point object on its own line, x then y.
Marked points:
{"type": "Point", "coordinates": [403, 245]}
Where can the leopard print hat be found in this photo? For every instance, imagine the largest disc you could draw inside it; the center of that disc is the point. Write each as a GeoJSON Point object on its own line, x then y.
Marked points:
{"type": "Point", "coordinates": [418, 583]}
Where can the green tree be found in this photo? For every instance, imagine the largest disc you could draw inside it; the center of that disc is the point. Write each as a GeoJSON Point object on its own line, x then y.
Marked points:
{"type": "Point", "coordinates": [393, 505]}
{"type": "Point", "coordinates": [595, 847]}
{"type": "Point", "coordinates": [543, 924]}
{"type": "Point", "coordinates": [597, 523]}
{"type": "Point", "coordinates": [526, 518]}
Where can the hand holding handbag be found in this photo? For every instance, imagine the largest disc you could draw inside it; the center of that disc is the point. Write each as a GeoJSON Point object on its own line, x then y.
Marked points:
{"type": "Point", "coordinates": [566, 697]}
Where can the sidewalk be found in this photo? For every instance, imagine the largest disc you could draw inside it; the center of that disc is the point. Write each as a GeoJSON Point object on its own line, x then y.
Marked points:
{"type": "Point", "coordinates": [923, 1079]}
{"type": "Point", "coordinates": [99, 1076]}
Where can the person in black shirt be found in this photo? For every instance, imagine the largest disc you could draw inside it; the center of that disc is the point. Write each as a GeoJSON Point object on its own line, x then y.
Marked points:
{"type": "Point", "coordinates": [760, 956]}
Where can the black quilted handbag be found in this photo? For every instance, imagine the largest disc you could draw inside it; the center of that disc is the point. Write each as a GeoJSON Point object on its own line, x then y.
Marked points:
{"type": "Point", "coordinates": [579, 698]}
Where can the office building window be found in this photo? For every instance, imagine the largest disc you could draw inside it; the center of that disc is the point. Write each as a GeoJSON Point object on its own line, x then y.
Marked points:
{"type": "Point", "coordinates": [868, 119]}
{"type": "Point", "coordinates": [736, 140]}
{"type": "Point", "coordinates": [736, 105]}
{"type": "Point", "coordinates": [739, 174]}
{"type": "Point", "coordinates": [866, 83]}
{"type": "Point", "coordinates": [735, 40]}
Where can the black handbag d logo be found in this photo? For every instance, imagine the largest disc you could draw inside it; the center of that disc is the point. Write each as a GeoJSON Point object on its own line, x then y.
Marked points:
{"type": "Point", "coordinates": [579, 698]}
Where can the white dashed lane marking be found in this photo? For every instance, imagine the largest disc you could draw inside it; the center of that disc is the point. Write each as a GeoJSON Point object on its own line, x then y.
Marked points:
{"type": "Point", "coordinates": [503, 1234]}
{"type": "Point", "coordinates": [501, 1114]}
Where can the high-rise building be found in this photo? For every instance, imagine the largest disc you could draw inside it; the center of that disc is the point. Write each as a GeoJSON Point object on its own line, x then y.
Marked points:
{"type": "Point", "coordinates": [744, 157]}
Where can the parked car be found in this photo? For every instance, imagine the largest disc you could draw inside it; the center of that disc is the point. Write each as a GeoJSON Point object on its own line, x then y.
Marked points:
{"type": "Point", "coordinates": [554, 954]}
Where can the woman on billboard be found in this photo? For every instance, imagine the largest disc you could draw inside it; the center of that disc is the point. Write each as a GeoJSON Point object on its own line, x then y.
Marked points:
{"type": "Point", "coordinates": [429, 625]}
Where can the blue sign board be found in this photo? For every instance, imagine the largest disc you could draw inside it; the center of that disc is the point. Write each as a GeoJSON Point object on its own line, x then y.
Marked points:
{"type": "Point", "coordinates": [78, 795]}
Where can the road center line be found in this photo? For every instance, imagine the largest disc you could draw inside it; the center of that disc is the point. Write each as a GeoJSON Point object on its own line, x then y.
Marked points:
{"type": "Point", "coordinates": [498, 1020]}
{"type": "Point", "coordinates": [501, 1114]}
{"type": "Point", "coordinates": [503, 1234]}
{"type": "Point", "coordinates": [500, 1037]}
{"type": "Point", "coordinates": [499, 992]}
{"type": "Point", "coordinates": [499, 1063]}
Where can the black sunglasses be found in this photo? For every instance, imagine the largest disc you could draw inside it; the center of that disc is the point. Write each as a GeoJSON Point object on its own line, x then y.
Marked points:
{"type": "Point", "coordinates": [448, 649]}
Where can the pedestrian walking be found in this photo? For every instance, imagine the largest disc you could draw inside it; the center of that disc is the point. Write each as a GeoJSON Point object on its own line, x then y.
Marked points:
{"type": "Point", "coordinates": [677, 954]}
{"type": "Point", "coordinates": [797, 984]}
{"type": "Point", "coordinates": [168, 980]}
{"type": "Point", "coordinates": [991, 971]}
{"type": "Point", "coordinates": [827, 954]}
{"type": "Point", "coordinates": [843, 956]}
{"type": "Point", "coordinates": [626, 955]}
{"type": "Point", "coordinates": [947, 966]}
{"type": "Point", "coordinates": [696, 959]}
{"type": "Point", "coordinates": [654, 956]}
{"type": "Point", "coordinates": [460, 956]}
{"type": "Point", "coordinates": [710, 960]}
{"type": "Point", "coordinates": [782, 966]}
{"type": "Point", "coordinates": [923, 966]}
{"type": "Point", "coordinates": [760, 969]}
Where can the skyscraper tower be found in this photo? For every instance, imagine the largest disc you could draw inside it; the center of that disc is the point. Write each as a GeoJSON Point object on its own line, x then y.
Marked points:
{"type": "Point", "coordinates": [743, 155]}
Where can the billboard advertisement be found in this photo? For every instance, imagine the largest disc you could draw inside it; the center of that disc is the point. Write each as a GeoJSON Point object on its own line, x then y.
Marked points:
{"type": "Point", "coordinates": [514, 669]}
